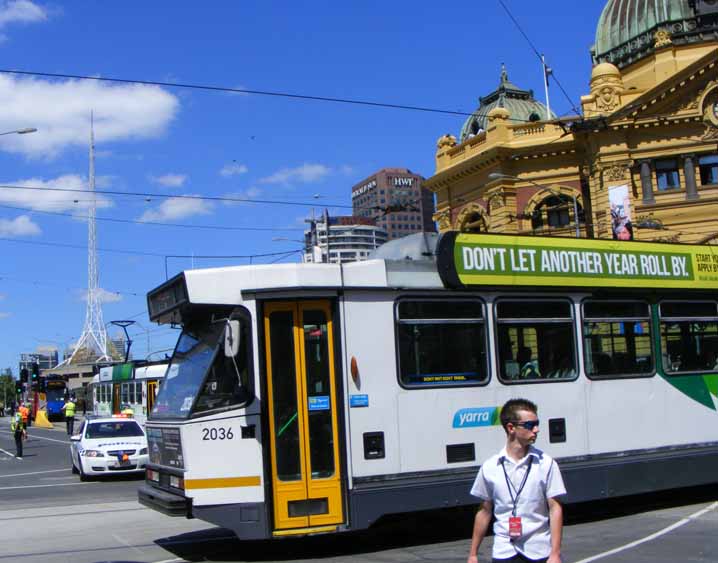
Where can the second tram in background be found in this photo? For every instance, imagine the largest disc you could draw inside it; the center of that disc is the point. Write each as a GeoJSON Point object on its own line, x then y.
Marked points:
{"type": "Point", "coordinates": [132, 384]}
{"type": "Point", "coordinates": [55, 389]}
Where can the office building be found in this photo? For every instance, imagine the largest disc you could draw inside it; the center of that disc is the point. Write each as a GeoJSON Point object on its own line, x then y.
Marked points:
{"type": "Point", "coordinates": [396, 201]}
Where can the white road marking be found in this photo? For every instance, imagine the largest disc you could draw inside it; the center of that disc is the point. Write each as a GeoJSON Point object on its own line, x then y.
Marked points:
{"type": "Point", "coordinates": [7, 452]}
{"type": "Point", "coordinates": [118, 539]}
{"type": "Point", "coordinates": [41, 486]}
{"type": "Point", "coordinates": [39, 437]}
{"type": "Point", "coordinates": [658, 534]}
{"type": "Point", "coordinates": [34, 472]}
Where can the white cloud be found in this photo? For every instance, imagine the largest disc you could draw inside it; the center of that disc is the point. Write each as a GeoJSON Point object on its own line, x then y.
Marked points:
{"type": "Point", "coordinates": [103, 296]}
{"type": "Point", "coordinates": [4, 315]}
{"type": "Point", "coordinates": [49, 200]}
{"type": "Point", "coordinates": [177, 208]}
{"type": "Point", "coordinates": [233, 169]}
{"type": "Point", "coordinates": [170, 180]}
{"type": "Point", "coordinates": [20, 226]}
{"type": "Point", "coordinates": [61, 113]}
{"type": "Point", "coordinates": [22, 11]}
{"type": "Point", "coordinates": [108, 296]}
{"type": "Point", "coordinates": [2, 296]}
{"type": "Point", "coordinates": [304, 174]}
{"type": "Point", "coordinates": [239, 87]}
{"type": "Point", "coordinates": [249, 193]}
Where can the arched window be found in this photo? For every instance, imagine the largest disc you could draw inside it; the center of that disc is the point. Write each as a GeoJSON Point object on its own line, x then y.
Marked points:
{"type": "Point", "coordinates": [475, 223]}
{"type": "Point", "coordinates": [555, 212]}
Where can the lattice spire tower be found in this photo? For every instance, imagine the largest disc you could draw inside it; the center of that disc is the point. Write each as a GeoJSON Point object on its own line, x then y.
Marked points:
{"type": "Point", "coordinates": [92, 345]}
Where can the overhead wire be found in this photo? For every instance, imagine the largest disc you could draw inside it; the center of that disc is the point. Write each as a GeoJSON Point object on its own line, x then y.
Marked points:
{"type": "Point", "coordinates": [223, 199]}
{"type": "Point", "coordinates": [152, 223]}
{"type": "Point", "coordinates": [536, 52]}
{"type": "Point", "coordinates": [227, 89]}
{"type": "Point", "coordinates": [10, 277]}
{"type": "Point", "coordinates": [137, 252]}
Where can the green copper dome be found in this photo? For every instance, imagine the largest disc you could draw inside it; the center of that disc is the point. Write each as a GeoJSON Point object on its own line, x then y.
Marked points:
{"type": "Point", "coordinates": [626, 28]}
{"type": "Point", "coordinates": [520, 104]}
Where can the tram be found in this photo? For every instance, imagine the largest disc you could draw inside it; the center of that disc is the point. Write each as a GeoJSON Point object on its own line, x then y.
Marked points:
{"type": "Point", "coordinates": [55, 389]}
{"type": "Point", "coordinates": [132, 384]}
{"type": "Point", "coordinates": [316, 398]}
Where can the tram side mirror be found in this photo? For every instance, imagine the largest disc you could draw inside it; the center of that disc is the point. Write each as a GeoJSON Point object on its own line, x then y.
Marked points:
{"type": "Point", "coordinates": [231, 339]}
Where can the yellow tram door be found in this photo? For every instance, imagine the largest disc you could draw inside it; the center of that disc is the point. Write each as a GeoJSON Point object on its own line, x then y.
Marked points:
{"type": "Point", "coordinates": [151, 395]}
{"type": "Point", "coordinates": [116, 407]}
{"type": "Point", "coordinates": [302, 398]}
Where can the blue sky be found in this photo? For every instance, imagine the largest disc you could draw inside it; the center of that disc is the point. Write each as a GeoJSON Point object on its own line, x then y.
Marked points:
{"type": "Point", "coordinates": [174, 141]}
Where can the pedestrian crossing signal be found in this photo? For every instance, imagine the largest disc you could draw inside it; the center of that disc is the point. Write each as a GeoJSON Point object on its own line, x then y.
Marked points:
{"type": "Point", "coordinates": [24, 375]}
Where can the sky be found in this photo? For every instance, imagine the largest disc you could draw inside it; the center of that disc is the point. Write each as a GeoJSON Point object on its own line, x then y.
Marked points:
{"type": "Point", "coordinates": [166, 141]}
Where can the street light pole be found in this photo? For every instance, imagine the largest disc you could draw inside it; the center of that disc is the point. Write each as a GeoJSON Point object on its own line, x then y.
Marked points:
{"type": "Point", "coordinates": [124, 325]}
{"type": "Point", "coordinates": [500, 176]}
{"type": "Point", "coordinates": [24, 131]}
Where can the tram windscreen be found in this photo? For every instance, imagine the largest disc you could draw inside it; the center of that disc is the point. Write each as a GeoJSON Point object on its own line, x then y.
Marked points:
{"type": "Point", "coordinates": [192, 358]}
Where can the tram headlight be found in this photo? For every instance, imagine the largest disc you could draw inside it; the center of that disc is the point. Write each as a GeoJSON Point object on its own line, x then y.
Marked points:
{"type": "Point", "coordinates": [176, 482]}
{"type": "Point", "coordinates": [93, 453]}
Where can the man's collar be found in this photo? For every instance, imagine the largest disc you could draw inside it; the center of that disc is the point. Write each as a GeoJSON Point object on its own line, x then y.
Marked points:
{"type": "Point", "coordinates": [504, 456]}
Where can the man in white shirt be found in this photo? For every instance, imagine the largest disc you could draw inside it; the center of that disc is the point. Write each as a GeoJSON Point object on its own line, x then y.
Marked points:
{"type": "Point", "coordinates": [519, 487]}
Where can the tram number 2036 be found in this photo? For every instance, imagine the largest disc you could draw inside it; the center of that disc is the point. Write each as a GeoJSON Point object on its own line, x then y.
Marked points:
{"type": "Point", "coordinates": [220, 433]}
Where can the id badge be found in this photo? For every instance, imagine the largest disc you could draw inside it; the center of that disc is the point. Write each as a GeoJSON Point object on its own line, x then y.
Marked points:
{"type": "Point", "coordinates": [514, 527]}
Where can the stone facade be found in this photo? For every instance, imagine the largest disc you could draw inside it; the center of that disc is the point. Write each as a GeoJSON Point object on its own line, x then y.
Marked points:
{"type": "Point", "coordinates": [646, 145]}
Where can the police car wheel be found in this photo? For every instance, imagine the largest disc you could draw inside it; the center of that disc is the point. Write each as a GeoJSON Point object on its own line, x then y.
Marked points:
{"type": "Point", "coordinates": [83, 476]}
{"type": "Point", "coordinates": [75, 471]}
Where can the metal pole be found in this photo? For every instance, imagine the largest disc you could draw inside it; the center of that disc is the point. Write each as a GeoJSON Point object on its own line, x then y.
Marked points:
{"type": "Point", "coordinates": [545, 85]}
{"type": "Point", "coordinates": [575, 216]}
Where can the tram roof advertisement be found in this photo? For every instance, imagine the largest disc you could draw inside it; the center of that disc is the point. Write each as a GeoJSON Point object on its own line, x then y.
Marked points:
{"type": "Point", "coordinates": [467, 260]}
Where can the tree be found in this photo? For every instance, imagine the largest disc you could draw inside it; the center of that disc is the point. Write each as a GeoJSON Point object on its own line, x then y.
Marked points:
{"type": "Point", "coordinates": [7, 386]}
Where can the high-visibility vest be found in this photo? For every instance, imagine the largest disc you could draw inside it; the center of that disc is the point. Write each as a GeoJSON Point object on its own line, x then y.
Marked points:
{"type": "Point", "coordinates": [24, 413]}
{"type": "Point", "coordinates": [16, 423]}
{"type": "Point", "coordinates": [128, 412]}
{"type": "Point", "coordinates": [69, 408]}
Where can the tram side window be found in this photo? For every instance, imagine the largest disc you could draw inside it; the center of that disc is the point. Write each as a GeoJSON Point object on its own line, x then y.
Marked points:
{"type": "Point", "coordinates": [227, 382]}
{"type": "Point", "coordinates": [617, 339]}
{"type": "Point", "coordinates": [535, 341]}
{"type": "Point", "coordinates": [441, 342]}
{"type": "Point", "coordinates": [689, 336]}
{"type": "Point", "coordinates": [125, 393]}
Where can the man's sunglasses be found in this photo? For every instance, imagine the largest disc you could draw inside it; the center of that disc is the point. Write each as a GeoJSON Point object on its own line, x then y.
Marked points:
{"type": "Point", "coordinates": [528, 425]}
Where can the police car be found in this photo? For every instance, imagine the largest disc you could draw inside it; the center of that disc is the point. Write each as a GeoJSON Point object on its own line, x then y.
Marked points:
{"type": "Point", "coordinates": [108, 446]}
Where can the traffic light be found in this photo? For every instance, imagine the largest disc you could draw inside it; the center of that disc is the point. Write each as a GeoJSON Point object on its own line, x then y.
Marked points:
{"type": "Point", "coordinates": [24, 375]}
{"type": "Point", "coordinates": [18, 386]}
{"type": "Point", "coordinates": [35, 371]}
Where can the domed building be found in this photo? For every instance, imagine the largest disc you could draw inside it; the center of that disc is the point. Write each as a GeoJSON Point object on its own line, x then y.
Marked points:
{"type": "Point", "coordinates": [520, 104]}
{"type": "Point", "coordinates": [640, 162]}
{"type": "Point", "coordinates": [626, 28]}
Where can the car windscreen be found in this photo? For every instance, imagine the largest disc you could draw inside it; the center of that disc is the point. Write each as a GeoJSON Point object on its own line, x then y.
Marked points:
{"type": "Point", "coordinates": [193, 355]}
{"type": "Point", "coordinates": [113, 429]}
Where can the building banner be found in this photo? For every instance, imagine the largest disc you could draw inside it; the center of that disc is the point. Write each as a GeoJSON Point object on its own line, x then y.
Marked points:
{"type": "Point", "coordinates": [466, 260]}
{"type": "Point", "coordinates": [620, 201]}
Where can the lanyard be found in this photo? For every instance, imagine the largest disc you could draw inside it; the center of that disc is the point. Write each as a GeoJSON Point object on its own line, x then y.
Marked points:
{"type": "Point", "coordinates": [510, 485]}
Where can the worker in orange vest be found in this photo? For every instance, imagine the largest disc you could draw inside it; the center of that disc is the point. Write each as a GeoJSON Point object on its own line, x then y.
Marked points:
{"type": "Point", "coordinates": [24, 413]}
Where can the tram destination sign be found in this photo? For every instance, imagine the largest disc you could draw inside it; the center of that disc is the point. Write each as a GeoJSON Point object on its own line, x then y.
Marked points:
{"type": "Point", "coordinates": [466, 260]}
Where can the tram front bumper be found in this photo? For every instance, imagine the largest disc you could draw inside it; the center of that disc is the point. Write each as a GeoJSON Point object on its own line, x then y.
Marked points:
{"type": "Point", "coordinates": [165, 502]}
